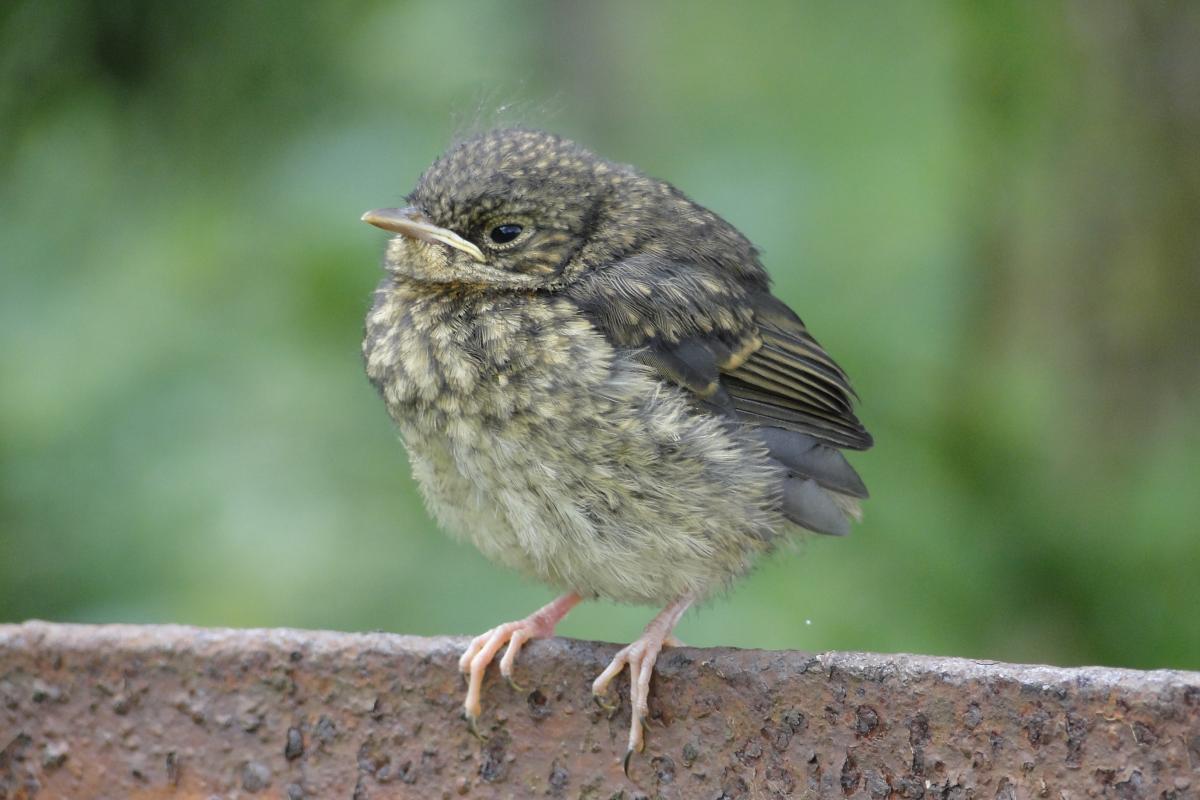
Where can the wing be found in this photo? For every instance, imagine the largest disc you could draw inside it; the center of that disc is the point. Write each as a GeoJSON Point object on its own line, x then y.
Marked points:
{"type": "Point", "coordinates": [744, 353]}
{"type": "Point", "coordinates": [790, 381]}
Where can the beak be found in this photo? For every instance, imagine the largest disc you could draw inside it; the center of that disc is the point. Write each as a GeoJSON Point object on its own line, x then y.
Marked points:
{"type": "Point", "coordinates": [412, 223]}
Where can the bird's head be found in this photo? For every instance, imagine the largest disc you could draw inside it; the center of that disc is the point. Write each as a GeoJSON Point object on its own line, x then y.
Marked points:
{"type": "Point", "coordinates": [524, 209]}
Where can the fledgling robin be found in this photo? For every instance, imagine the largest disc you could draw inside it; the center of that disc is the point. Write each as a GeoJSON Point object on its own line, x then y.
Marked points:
{"type": "Point", "coordinates": [596, 387]}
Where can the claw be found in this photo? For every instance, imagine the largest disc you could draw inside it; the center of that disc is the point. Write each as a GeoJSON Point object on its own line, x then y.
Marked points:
{"type": "Point", "coordinates": [609, 708]}
{"type": "Point", "coordinates": [637, 737]}
{"type": "Point", "coordinates": [473, 727]}
{"type": "Point", "coordinates": [625, 762]}
{"type": "Point", "coordinates": [512, 684]}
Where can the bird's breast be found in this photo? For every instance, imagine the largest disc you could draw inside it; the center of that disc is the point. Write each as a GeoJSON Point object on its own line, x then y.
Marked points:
{"type": "Point", "coordinates": [453, 359]}
{"type": "Point", "coordinates": [560, 457]}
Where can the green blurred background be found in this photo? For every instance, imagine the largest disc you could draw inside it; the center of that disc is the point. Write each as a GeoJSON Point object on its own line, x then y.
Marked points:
{"type": "Point", "coordinates": [989, 212]}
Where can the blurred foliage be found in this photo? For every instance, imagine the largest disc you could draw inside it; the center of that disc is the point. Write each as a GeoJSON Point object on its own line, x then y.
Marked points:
{"type": "Point", "coordinates": [988, 212]}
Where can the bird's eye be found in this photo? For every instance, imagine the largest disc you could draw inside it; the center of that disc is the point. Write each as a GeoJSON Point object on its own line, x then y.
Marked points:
{"type": "Point", "coordinates": [503, 234]}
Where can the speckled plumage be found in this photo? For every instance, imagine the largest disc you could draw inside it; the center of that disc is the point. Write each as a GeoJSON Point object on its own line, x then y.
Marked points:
{"type": "Point", "coordinates": [613, 402]}
{"type": "Point", "coordinates": [557, 455]}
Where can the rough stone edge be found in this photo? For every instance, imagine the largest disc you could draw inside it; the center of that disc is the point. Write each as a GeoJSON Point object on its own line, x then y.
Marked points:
{"type": "Point", "coordinates": [870, 666]}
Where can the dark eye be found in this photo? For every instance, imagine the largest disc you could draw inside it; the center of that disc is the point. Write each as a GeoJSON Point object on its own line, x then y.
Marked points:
{"type": "Point", "coordinates": [503, 234]}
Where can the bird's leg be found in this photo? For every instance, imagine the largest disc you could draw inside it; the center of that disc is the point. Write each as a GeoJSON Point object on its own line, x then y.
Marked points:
{"type": "Point", "coordinates": [483, 649]}
{"type": "Point", "coordinates": [640, 656]}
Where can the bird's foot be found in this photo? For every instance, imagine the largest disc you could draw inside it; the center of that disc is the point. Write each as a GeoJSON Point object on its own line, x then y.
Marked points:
{"type": "Point", "coordinates": [640, 657]}
{"type": "Point", "coordinates": [483, 648]}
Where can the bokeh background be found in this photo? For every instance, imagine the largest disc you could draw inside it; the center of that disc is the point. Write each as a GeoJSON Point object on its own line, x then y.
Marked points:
{"type": "Point", "coordinates": [989, 212]}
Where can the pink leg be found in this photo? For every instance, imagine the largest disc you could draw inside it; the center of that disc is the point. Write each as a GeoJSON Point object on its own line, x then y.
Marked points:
{"type": "Point", "coordinates": [640, 657]}
{"type": "Point", "coordinates": [483, 648]}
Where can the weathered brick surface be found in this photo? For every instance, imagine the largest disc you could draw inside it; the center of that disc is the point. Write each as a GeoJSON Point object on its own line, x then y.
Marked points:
{"type": "Point", "coordinates": [173, 712]}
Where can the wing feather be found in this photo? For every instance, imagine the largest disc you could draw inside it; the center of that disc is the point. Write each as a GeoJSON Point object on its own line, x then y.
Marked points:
{"type": "Point", "coordinates": [743, 353]}
{"type": "Point", "coordinates": [714, 335]}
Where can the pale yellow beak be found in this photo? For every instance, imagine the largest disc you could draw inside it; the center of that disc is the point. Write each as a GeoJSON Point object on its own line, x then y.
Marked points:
{"type": "Point", "coordinates": [412, 223]}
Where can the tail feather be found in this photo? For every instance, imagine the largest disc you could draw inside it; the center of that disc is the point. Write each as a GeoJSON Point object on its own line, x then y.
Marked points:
{"type": "Point", "coordinates": [821, 491]}
{"type": "Point", "coordinates": [809, 506]}
{"type": "Point", "coordinates": [804, 455]}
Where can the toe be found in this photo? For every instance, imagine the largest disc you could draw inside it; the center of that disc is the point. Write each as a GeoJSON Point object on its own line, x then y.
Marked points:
{"type": "Point", "coordinates": [600, 685]}
{"type": "Point", "coordinates": [640, 689]}
{"type": "Point", "coordinates": [641, 670]}
{"type": "Point", "coordinates": [476, 666]}
{"type": "Point", "coordinates": [464, 661]}
{"type": "Point", "coordinates": [637, 701]}
{"type": "Point", "coordinates": [637, 741]}
{"type": "Point", "coordinates": [472, 707]}
{"type": "Point", "coordinates": [519, 637]}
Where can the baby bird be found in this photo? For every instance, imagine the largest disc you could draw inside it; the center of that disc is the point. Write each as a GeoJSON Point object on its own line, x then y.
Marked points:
{"type": "Point", "coordinates": [596, 387]}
